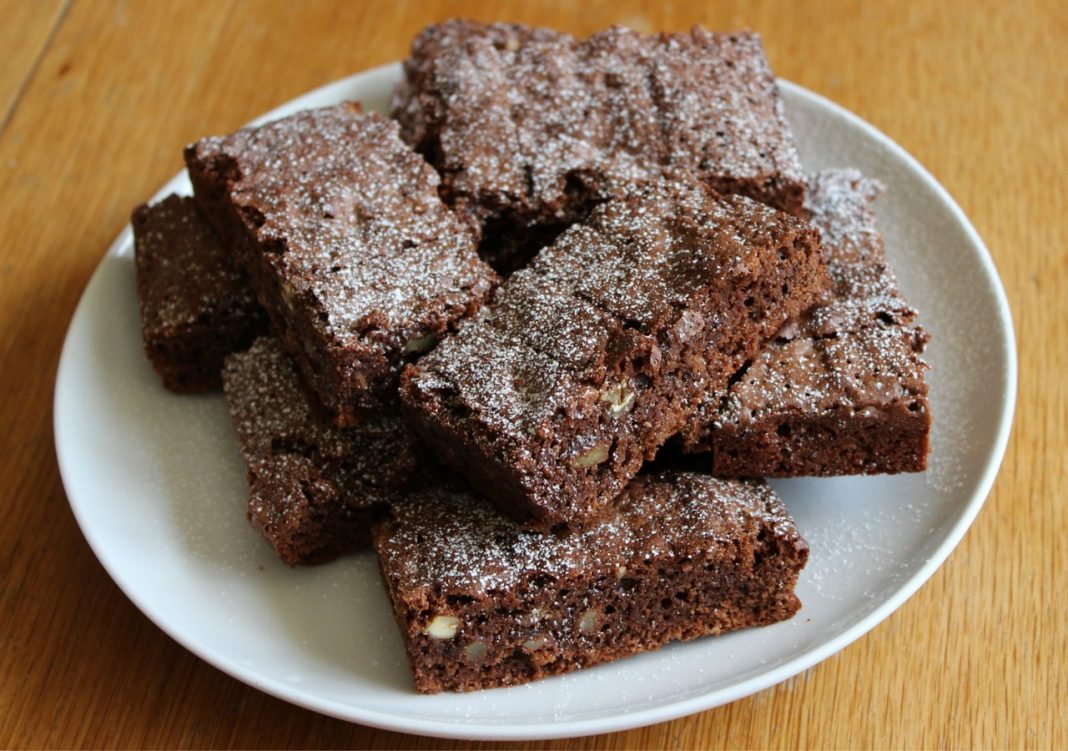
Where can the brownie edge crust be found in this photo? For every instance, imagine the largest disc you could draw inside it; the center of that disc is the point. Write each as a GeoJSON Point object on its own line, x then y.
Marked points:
{"type": "Point", "coordinates": [483, 603]}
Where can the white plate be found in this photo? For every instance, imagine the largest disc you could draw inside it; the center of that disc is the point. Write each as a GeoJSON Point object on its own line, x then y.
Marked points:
{"type": "Point", "coordinates": [157, 485]}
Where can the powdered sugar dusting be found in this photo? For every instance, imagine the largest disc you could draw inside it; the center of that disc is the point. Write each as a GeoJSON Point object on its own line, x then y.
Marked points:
{"type": "Point", "coordinates": [446, 541]}
{"type": "Point", "coordinates": [582, 331]}
{"type": "Point", "coordinates": [349, 220]}
{"type": "Point", "coordinates": [532, 123]}
{"type": "Point", "coordinates": [839, 203]}
{"type": "Point", "coordinates": [858, 353]}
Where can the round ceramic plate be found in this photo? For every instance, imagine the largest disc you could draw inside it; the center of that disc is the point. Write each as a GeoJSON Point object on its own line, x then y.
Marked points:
{"type": "Point", "coordinates": [157, 484]}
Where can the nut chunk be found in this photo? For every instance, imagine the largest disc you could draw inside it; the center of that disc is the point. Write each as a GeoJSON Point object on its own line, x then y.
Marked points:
{"type": "Point", "coordinates": [595, 354]}
{"type": "Point", "coordinates": [842, 390]}
{"type": "Point", "coordinates": [355, 258]}
{"type": "Point", "coordinates": [531, 127]}
{"type": "Point", "coordinates": [482, 602]}
{"type": "Point", "coordinates": [196, 307]}
{"type": "Point", "coordinates": [314, 488]}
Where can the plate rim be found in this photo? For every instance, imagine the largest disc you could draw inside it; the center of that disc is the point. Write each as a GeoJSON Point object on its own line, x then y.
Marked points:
{"type": "Point", "coordinates": [617, 722]}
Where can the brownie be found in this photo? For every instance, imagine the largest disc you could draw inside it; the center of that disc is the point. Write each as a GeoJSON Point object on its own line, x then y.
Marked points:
{"type": "Point", "coordinates": [596, 353]}
{"type": "Point", "coordinates": [196, 306]}
{"type": "Point", "coordinates": [841, 391]}
{"type": "Point", "coordinates": [482, 602]}
{"type": "Point", "coordinates": [314, 488]}
{"type": "Point", "coordinates": [356, 259]}
{"type": "Point", "coordinates": [531, 127]}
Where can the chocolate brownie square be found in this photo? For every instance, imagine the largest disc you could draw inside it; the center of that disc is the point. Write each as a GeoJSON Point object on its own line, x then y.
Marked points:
{"type": "Point", "coordinates": [196, 307]}
{"type": "Point", "coordinates": [596, 353]}
{"type": "Point", "coordinates": [531, 127]}
{"type": "Point", "coordinates": [314, 488]}
{"type": "Point", "coordinates": [841, 391]}
{"type": "Point", "coordinates": [356, 259]}
{"type": "Point", "coordinates": [482, 602]}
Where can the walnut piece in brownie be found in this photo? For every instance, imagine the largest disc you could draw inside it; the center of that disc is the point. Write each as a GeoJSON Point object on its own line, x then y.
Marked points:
{"type": "Point", "coordinates": [531, 127]}
{"type": "Point", "coordinates": [314, 488]}
{"type": "Point", "coordinates": [841, 391]}
{"type": "Point", "coordinates": [596, 353]}
{"type": "Point", "coordinates": [356, 259]}
{"type": "Point", "coordinates": [482, 602]}
{"type": "Point", "coordinates": [196, 307]}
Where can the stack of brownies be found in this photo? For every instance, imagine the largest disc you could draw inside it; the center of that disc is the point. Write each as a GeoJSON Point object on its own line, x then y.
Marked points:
{"type": "Point", "coordinates": [461, 336]}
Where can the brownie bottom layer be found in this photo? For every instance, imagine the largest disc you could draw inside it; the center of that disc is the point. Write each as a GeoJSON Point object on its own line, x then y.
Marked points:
{"type": "Point", "coordinates": [804, 446]}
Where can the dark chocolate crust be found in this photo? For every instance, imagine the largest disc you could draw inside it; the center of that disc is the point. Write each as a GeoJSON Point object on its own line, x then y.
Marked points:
{"type": "Point", "coordinates": [483, 603]}
{"type": "Point", "coordinates": [196, 306]}
{"type": "Point", "coordinates": [596, 353]}
{"type": "Point", "coordinates": [356, 259]}
{"type": "Point", "coordinates": [314, 488]}
{"type": "Point", "coordinates": [531, 127]}
{"type": "Point", "coordinates": [841, 391]}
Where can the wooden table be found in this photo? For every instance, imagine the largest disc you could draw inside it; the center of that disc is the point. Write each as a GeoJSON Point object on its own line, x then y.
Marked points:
{"type": "Point", "coordinates": [97, 96]}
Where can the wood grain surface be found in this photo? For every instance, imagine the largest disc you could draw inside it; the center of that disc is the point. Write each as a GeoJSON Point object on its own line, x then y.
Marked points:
{"type": "Point", "coordinates": [98, 96]}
